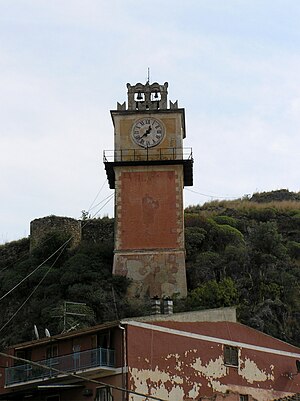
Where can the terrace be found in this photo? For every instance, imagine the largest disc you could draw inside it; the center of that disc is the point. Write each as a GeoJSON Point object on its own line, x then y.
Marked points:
{"type": "Point", "coordinates": [149, 156]}
{"type": "Point", "coordinates": [61, 366]}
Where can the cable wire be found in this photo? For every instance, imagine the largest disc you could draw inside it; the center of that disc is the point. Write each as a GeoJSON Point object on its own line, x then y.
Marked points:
{"type": "Point", "coordinates": [33, 291]}
{"type": "Point", "coordinates": [99, 203]}
{"type": "Point", "coordinates": [211, 196]}
{"type": "Point", "coordinates": [102, 186]}
{"type": "Point", "coordinates": [40, 265]}
{"type": "Point", "coordinates": [25, 255]}
{"type": "Point", "coordinates": [110, 198]}
{"type": "Point", "coordinates": [55, 252]}
{"type": "Point", "coordinates": [40, 365]}
{"type": "Point", "coordinates": [61, 249]}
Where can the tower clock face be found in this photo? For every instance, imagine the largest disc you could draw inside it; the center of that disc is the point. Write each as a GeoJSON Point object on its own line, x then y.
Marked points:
{"type": "Point", "coordinates": [148, 132]}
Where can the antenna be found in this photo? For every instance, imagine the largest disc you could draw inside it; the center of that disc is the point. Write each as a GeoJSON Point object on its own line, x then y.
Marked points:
{"type": "Point", "coordinates": [148, 77]}
{"type": "Point", "coordinates": [73, 327]}
{"type": "Point", "coordinates": [67, 313]}
{"type": "Point", "coordinates": [36, 332]}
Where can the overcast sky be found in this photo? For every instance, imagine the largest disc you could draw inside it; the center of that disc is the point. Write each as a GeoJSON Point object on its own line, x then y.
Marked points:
{"type": "Point", "coordinates": [234, 65]}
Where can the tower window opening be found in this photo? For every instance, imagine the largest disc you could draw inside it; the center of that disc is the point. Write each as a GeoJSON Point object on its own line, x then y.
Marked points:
{"type": "Point", "coordinates": [139, 96]}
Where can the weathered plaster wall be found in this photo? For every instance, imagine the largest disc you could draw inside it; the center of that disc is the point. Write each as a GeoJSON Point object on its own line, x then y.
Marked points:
{"type": "Point", "coordinates": [149, 207]}
{"type": "Point", "coordinates": [181, 367]}
{"type": "Point", "coordinates": [159, 274]}
{"type": "Point", "coordinates": [149, 237]}
{"type": "Point", "coordinates": [172, 121]}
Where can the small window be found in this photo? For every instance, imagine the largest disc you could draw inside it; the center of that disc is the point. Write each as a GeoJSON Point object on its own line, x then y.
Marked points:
{"type": "Point", "coordinates": [24, 354]}
{"type": "Point", "coordinates": [103, 394]}
{"type": "Point", "coordinates": [52, 351]}
{"type": "Point", "coordinates": [231, 355]}
{"type": "Point", "coordinates": [105, 339]}
{"type": "Point", "coordinates": [244, 397]}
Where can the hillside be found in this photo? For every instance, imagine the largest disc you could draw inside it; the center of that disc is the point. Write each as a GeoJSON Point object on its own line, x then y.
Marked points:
{"type": "Point", "coordinates": [247, 252]}
{"type": "Point", "coordinates": [244, 252]}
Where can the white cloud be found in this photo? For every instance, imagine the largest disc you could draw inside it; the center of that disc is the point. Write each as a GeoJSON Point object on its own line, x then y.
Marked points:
{"type": "Point", "coordinates": [63, 65]}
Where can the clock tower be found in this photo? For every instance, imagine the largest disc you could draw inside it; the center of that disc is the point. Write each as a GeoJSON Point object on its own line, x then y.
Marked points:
{"type": "Point", "coordinates": [148, 169]}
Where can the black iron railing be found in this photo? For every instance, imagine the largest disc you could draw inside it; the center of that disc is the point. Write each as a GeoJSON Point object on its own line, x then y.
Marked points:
{"type": "Point", "coordinates": [147, 154]}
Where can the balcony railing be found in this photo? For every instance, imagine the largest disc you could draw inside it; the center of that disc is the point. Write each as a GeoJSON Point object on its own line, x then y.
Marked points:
{"type": "Point", "coordinates": [147, 154]}
{"type": "Point", "coordinates": [76, 362]}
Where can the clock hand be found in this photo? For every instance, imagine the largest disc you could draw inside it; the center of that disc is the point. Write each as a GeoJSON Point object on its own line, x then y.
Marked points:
{"type": "Point", "coordinates": [147, 132]}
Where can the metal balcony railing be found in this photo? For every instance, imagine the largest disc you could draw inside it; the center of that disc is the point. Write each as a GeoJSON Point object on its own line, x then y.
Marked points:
{"type": "Point", "coordinates": [147, 154]}
{"type": "Point", "coordinates": [76, 362]}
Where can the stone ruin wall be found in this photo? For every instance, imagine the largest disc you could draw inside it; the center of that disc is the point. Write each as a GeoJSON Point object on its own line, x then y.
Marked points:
{"type": "Point", "coordinates": [40, 228]}
{"type": "Point", "coordinates": [93, 230]}
{"type": "Point", "coordinates": [97, 230]}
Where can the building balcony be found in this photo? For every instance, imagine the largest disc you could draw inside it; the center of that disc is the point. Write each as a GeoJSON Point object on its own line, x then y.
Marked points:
{"type": "Point", "coordinates": [146, 157]}
{"type": "Point", "coordinates": [77, 362]}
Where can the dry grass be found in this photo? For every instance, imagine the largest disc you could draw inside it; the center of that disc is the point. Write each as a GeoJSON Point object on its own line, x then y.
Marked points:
{"type": "Point", "coordinates": [246, 205]}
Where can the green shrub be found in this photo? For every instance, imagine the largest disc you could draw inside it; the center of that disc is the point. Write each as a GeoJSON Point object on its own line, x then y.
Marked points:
{"type": "Point", "coordinates": [294, 249]}
{"type": "Point", "coordinates": [226, 220]}
{"type": "Point", "coordinates": [214, 295]}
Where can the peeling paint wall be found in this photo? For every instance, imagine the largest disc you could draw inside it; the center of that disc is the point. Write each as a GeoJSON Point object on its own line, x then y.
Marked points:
{"type": "Point", "coordinates": [149, 235]}
{"type": "Point", "coordinates": [181, 368]}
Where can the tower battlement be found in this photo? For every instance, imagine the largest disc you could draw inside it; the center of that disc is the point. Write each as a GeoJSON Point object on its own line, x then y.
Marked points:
{"type": "Point", "coordinates": [147, 97]}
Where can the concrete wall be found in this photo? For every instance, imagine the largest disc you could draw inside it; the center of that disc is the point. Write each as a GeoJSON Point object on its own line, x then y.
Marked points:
{"type": "Point", "coordinates": [207, 315]}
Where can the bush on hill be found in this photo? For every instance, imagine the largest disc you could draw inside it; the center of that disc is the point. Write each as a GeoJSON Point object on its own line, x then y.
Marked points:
{"type": "Point", "coordinates": [244, 252]}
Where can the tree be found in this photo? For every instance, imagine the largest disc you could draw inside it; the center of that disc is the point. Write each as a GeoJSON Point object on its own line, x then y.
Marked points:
{"type": "Point", "coordinates": [194, 239]}
{"type": "Point", "coordinates": [213, 294]}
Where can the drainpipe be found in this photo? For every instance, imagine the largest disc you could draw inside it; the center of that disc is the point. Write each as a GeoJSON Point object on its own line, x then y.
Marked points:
{"type": "Point", "coordinates": [124, 362]}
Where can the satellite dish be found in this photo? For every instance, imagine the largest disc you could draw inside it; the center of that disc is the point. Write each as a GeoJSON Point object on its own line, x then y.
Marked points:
{"type": "Point", "coordinates": [47, 332]}
{"type": "Point", "coordinates": [36, 332]}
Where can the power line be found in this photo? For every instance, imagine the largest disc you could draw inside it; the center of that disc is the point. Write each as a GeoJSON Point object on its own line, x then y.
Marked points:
{"type": "Point", "coordinates": [40, 365]}
{"type": "Point", "coordinates": [34, 290]}
{"type": "Point", "coordinates": [211, 196]}
{"type": "Point", "coordinates": [40, 265]}
{"type": "Point", "coordinates": [25, 254]}
{"type": "Point", "coordinates": [90, 208]}
{"type": "Point", "coordinates": [99, 203]}
{"type": "Point", "coordinates": [61, 248]}
{"type": "Point", "coordinates": [110, 198]}
{"type": "Point", "coordinates": [54, 253]}
{"type": "Point", "coordinates": [49, 238]}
